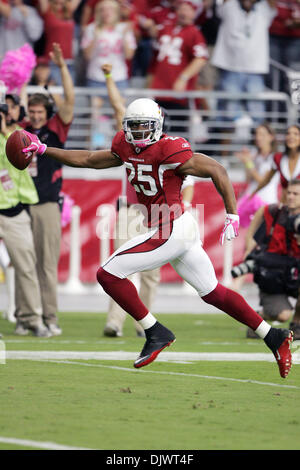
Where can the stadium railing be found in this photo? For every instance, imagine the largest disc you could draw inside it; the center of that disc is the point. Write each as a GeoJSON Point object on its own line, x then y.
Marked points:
{"type": "Point", "coordinates": [216, 133]}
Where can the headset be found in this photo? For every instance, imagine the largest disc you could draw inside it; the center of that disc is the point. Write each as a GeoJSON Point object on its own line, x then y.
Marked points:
{"type": "Point", "coordinates": [46, 100]}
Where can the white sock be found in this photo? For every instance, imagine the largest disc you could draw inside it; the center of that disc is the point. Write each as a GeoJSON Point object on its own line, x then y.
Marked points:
{"type": "Point", "coordinates": [263, 329]}
{"type": "Point", "coordinates": [147, 321]}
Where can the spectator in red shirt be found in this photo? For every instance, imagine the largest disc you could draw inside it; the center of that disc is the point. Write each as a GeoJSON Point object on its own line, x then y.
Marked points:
{"type": "Point", "coordinates": [285, 37]}
{"type": "Point", "coordinates": [285, 34]}
{"type": "Point", "coordinates": [182, 53]}
{"type": "Point", "coordinates": [163, 13]}
{"type": "Point", "coordinates": [59, 27]}
{"type": "Point", "coordinates": [152, 17]}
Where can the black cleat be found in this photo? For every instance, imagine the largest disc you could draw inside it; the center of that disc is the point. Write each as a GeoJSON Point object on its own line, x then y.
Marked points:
{"type": "Point", "coordinates": [158, 337]}
{"type": "Point", "coordinates": [279, 341]}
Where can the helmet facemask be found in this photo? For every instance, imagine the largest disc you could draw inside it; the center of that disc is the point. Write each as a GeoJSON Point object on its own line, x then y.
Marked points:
{"type": "Point", "coordinates": [142, 132]}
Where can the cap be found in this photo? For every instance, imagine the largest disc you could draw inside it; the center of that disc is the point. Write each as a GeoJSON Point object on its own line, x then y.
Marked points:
{"type": "Point", "coordinates": [15, 98]}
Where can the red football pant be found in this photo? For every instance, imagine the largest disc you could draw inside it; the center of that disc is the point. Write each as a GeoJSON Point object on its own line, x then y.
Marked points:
{"type": "Point", "coordinates": [123, 292]}
{"type": "Point", "coordinates": [234, 305]}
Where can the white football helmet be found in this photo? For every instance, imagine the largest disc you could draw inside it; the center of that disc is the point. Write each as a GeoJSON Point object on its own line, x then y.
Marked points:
{"type": "Point", "coordinates": [143, 122]}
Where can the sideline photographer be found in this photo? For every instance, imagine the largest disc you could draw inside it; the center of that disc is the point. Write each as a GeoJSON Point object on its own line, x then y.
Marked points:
{"type": "Point", "coordinates": [17, 191]}
{"type": "Point", "coordinates": [273, 256]}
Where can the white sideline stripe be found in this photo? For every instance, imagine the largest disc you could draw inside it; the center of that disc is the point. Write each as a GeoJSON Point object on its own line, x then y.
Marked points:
{"type": "Point", "coordinates": [183, 374]}
{"type": "Point", "coordinates": [38, 444]}
{"type": "Point", "coordinates": [129, 356]}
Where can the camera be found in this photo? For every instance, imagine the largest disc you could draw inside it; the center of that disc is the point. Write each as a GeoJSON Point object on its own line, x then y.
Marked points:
{"type": "Point", "coordinates": [243, 268]}
{"type": "Point", "coordinates": [3, 109]}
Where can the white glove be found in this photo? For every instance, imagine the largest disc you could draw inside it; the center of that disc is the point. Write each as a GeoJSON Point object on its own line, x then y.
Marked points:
{"type": "Point", "coordinates": [231, 227]}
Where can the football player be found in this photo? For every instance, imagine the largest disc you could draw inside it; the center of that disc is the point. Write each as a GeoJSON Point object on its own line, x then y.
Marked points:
{"type": "Point", "coordinates": [156, 166]}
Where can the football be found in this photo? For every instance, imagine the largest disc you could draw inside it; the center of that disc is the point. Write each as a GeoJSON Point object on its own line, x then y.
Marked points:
{"type": "Point", "coordinates": [16, 142]}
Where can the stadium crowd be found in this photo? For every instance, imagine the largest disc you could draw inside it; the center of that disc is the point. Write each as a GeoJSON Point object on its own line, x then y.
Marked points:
{"type": "Point", "coordinates": [222, 46]}
{"type": "Point", "coordinates": [135, 35]}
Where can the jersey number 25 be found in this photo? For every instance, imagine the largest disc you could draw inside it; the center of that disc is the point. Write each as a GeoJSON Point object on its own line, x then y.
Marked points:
{"type": "Point", "coordinates": [143, 180]}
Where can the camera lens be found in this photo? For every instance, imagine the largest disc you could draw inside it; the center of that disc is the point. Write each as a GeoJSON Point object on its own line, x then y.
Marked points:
{"type": "Point", "coordinates": [242, 268]}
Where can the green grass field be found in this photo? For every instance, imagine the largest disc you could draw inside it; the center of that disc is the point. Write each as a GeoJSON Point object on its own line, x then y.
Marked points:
{"type": "Point", "coordinates": [89, 400]}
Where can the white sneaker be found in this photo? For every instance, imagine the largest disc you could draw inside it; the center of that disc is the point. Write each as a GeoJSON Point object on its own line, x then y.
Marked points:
{"type": "Point", "coordinates": [112, 331]}
{"type": "Point", "coordinates": [20, 330]}
{"type": "Point", "coordinates": [41, 331]}
{"type": "Point", "coordinates": [54, 329]}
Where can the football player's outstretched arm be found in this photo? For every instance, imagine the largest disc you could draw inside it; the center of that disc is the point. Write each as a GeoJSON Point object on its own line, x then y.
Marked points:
{"type": "Point", "coordinates": [203, 166]}
{"type": "Point", "coordinates": [98, 159]}
{"type": "Point", "coordinates": [79, 158]}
